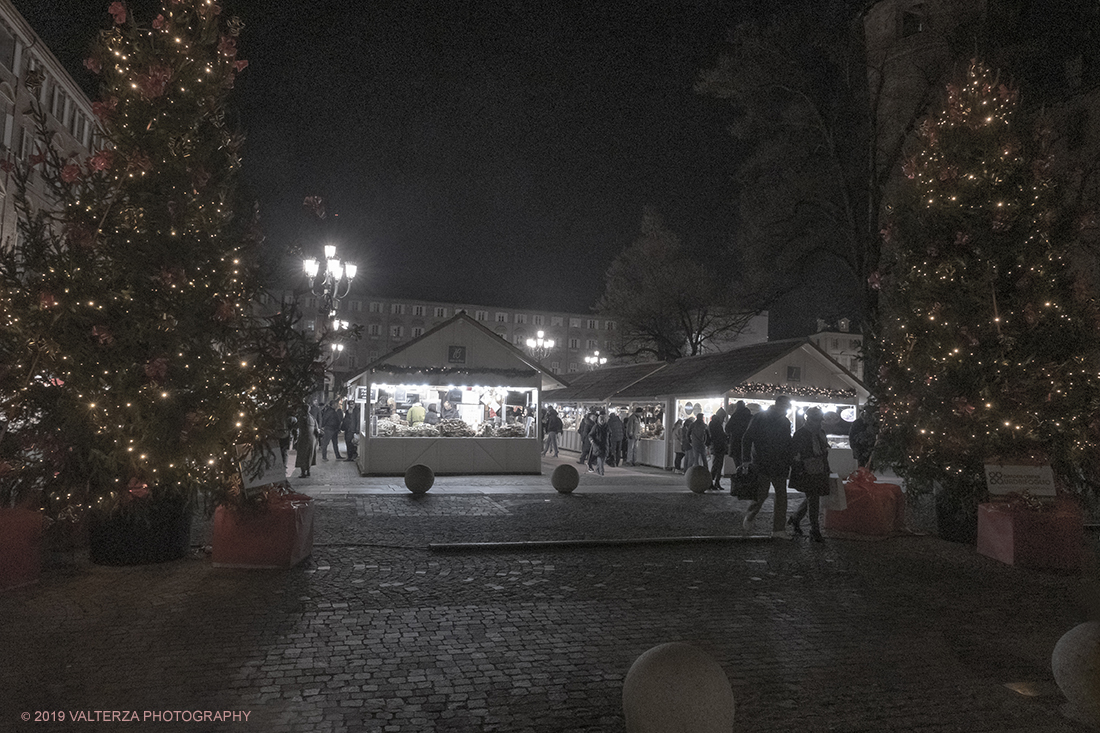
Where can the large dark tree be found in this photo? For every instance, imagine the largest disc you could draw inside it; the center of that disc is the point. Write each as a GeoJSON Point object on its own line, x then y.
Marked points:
{"type": "Point", "coordinates": [666, 303]}
{"type": "Point", "coordinates": [131, 359]}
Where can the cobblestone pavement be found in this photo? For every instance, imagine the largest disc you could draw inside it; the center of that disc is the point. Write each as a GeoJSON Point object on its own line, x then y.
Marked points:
{"type": "Point", "coordinates": [378, 631]}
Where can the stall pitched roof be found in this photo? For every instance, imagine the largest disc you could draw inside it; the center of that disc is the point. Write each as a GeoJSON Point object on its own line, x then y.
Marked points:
{"type": "Point", "coordinates": [722, 371]}
{"type": "Point", "coordinates": [381, 362]}
{"type": "Point", "coordinates": [600, 384]}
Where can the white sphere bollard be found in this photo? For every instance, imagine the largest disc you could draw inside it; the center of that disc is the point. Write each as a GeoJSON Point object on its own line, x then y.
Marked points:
{"type": "Point", "coordinates": [676, 688]}
{"type": "Point", "coordinates": [698, 479]}
{"type": "Point", "coordinates": [419, 478]}
{"type": "Point", "coordinates": [1076, 665]}
{"type": "Point", "coordinates": [565, 478]}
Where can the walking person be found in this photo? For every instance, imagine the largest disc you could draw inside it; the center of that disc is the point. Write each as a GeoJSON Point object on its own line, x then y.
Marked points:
{"type": "Point", "coordinates": [615, 431]}
{"type": "Point", "coordinates": [718, 447]}
{"type": "Point", "coordinates": [735, 429]}
{"type": "Point", "coordinates": [305, 447]}
{"type": "Point", "coordinates": [331, 417]}
{"type": "Point", "coordinates": [553, 430]}
{"type": "Point", "coordinates": [678, 444]}
{"type": "Point", "coordinates": [767, 444]}
{"type": "Point", "coordinates": [600, 440]}
{"type": "Point", "coordinates": [810, 472]}
{"type": "Point", "coordinates": [861, 436]}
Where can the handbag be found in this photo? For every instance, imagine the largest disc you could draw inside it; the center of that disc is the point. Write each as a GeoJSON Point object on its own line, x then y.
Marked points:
{"type": "Point", "coordinates": [813, 464]}
{"type": "Point", "coordinates": [729, 466]}
{"type": "Point", "coordinates": [745, 481]}
{"type": "Point", "coordinates": [835, 500]}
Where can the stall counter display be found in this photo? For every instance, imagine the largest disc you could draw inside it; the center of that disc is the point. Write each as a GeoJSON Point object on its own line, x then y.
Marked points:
{"type": "Point", "coordinates": [466, 412]}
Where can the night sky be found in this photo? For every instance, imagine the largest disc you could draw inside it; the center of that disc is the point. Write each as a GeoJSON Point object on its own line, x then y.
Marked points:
{"type": "Point", "coordinates": [493, 152]}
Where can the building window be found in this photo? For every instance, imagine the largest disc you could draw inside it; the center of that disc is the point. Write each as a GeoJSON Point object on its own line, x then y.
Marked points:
{"type": "Point", "coordinates": [357, 306]}
{"type": "Point", "coordinates": [397, 309]}
{"type": "Point", "coordinates": [418, 310]}
{"type": "Point", "coordinates": [555, 366]}
{"type": "Point", "coordinates": [440, 312]}
{"type": "Point", "coordinates": [591, 344]}
{"type": "Point", "coordinates": [554, 320]}
{"type": "Point", "coordinates": [373, 356]}
{"type": "Point", "coordinates": [311, 303]}
{"type": "Point", "coordinates": [593, 324]}
{"type": "Point", "coordinates": [7, 49]}
{"type": "Point", "coordinates": [836, 344]}
{"type": "Point", "coordinates": [374, 329]}
{"type": "Point", "coordinates": [417, 331]}
{"type": "Point", "coordinates": [794, 374]}
{"type": "Point", "coordinates": [481, 315]}
{"type": "Point", "coordinates": [521, 318]}
{"type": "Point", "coordinates": [609, 325]}
{"type": "Point", "coordinates": [536, 320]}
{"type": "Point", "coordinates": [397, 332]}
{"type": "Point", "coordinates": [913, 21]}
{"type": "Point", "coordinates": [57, 109]}
{"type": "Point", "coordinates": [310, 324]}
{"type": "Point", "coordinates": [574, 323]}
{"type": "Point", "coordinates": [502, 317]}
{"type": "Point", "coordinates": [353, 361]}
{"type": "Point", "coordinates": [572, 366]}
{"type": "Point", "coordinates": [607, 345]}
{"type": "Point", "coordinates": [854, 343]}
{"type": "Point", "coordinates": [518, 339]}
{"type": "Point", "coordinates": [375, 307]}
{"type": "Point", "coordinates": [574, 343]}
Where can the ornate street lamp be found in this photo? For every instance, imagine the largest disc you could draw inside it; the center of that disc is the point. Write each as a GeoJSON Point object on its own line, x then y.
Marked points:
{"type": "Point", "coordinates": [334, 283]}
{"type": "Point", "coordinates": [540, 347]}
{"type": "Point", "coordinates": [595, 360]}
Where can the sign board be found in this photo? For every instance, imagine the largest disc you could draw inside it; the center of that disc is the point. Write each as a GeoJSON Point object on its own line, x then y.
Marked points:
{"type": "Point", "coordinates": [456, 354]}
{"type": "Point", "coordinates": [1004, 479]}
{"type": "Point", "coordinates": [362, 394]}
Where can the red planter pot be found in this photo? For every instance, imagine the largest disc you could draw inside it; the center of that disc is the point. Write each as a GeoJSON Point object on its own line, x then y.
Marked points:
{"type": "Point", "coordinates": [20, 547]}
{"type": "Point", "coordinates": [874, 508]}
{"type": "Point", "coordinates": [1033, 539]}
{"type": "Point", "coordinates": [279, 537]}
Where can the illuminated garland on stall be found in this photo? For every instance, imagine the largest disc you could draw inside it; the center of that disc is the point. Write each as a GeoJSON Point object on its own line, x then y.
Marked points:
{"type": "Point", "coordinates": [749, 388]}
{"type": "Point", "coordinates": [434, 372]}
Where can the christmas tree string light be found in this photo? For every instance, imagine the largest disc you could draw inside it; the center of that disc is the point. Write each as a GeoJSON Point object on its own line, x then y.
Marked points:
{"type": "Point", "coordinates": [132, 363]}
{"type": "Point", "coordinates": [989, 339]}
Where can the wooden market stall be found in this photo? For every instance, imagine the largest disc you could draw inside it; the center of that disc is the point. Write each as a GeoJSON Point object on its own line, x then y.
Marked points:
{"type": "Point", "coordinates": [485, 392]}
{"type": "Point", "coordinates": [596, 388]}
{"type": "Point", "coordinates": [756, 374]}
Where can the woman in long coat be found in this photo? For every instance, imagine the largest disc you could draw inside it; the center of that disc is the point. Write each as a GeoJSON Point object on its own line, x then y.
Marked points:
{"type": "Point", "coordinates": [600, 438]}
{"type": "Point", "coordinates": [306, 447]}
{"type": "Point", "coordinates": [809, 471]}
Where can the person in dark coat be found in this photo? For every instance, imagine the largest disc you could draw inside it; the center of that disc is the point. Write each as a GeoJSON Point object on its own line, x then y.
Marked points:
{"type": "Point", "coordinates": [450, 411]}
{"type": "Point", "coordinates": [678, 444]}
{"type": "Point", "coordinates": [554, 427]}
{"type": "Point", "coordinates": [432, 415]}
{"type": "Point", "coordinates": [615, 429]}
{"type": "Point", "coordinates": [584, 429]}
{"type": "Point", "coordinates": [735, 429]}
{"type": "Point", "coordinates": [767, 443]}
{"type": "Point", "coordinates": [699, 439]}
{"type": "Point", "coordinates": [717, 430]}
{"type": "Point", "coordinates": [306, 446]}
{"type": "Point", "coordinates": [331, 417]}
{"type": "Point", "coordinates": [685, 442]}
{"type": "Point", "coordinates": [861, 437]}
{"type": "Point", "coordinates": [600, 443]}
{"type": "Point", "coordinates": [632, 426]}
{"type": "Point", "coordinates": [809, 471]}
{"type": "Point", "coordinates": [350, 427]}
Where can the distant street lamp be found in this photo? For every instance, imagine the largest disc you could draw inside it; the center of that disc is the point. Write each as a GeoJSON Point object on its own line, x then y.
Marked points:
{"type": "Point", "coordinates": [333, 284]}
{"type": "Point", "coordinates": [540, 347]}
{"type": "Point", "coordinates": [595, 360]}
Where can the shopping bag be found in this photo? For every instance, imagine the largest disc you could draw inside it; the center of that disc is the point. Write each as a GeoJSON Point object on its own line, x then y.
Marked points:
{"type": "Point", "coordinates": [835, 499]}
{"type": "Point", "coordinates": [729, 466]}
{"type": "Point", "coordinates": [745, 481]}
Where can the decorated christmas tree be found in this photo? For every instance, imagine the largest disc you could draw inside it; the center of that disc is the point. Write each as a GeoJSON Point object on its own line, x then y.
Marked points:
{"type": "Point", "coordinates": [133, 363]}
{"type": "Point", "coordinates": [988, 340]}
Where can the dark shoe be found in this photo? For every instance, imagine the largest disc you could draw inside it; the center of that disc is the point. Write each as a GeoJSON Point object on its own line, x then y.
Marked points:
{"type": "Point", "coordinates": [815, 535]}
{"type": "Point", "coordinates": [324, 458]}
{"type": "Point", "coordinates": [796, 527]}
{"type": "Point", "coordinates": [339, 458]}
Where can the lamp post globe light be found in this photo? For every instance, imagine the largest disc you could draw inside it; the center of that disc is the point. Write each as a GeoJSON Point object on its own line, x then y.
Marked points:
{"type": "Point", "coordinates": [540, 347]}
{"type": "Point", "coordinates": [331, 285]}
{"type": "Point", "coordinates": [595, 360]}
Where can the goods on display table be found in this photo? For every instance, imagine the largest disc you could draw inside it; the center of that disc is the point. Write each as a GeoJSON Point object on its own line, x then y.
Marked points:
{"type": "Point", "coordinates": [422, 411]}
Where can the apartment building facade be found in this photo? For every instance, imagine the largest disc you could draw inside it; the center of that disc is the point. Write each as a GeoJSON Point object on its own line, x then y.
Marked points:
{"type": "Point", "coordinates": [68, 109]}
